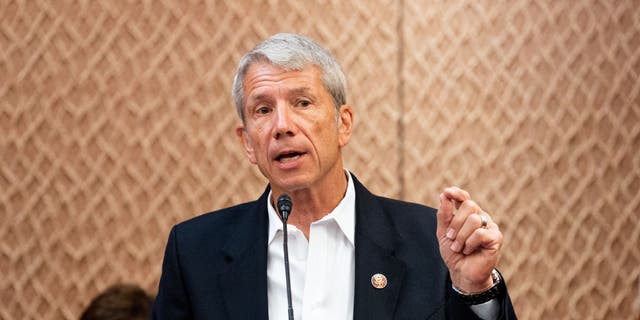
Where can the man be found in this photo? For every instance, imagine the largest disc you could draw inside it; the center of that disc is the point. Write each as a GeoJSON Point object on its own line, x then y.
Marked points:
{"type": "Point", "coordinates": [353, 255]}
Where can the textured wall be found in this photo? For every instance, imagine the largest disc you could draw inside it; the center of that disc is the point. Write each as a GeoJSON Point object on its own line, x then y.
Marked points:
{"type": "Point", "coordinates": [116, 122]}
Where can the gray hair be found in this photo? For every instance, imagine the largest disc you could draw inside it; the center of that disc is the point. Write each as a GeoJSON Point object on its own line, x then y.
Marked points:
{"type": "Point", "coordinates": [292, 52]}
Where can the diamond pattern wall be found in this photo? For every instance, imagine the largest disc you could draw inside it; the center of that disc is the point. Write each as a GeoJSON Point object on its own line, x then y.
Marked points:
{"type": "Point", "coordinates": [116, 122]}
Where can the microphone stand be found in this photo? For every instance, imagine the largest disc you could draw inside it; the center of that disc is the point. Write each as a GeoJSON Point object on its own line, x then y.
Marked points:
{"type": "Point", "coordinates": [284, 206]}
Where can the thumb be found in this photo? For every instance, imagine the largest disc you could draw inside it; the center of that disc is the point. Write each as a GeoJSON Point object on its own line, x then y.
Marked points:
{"type": "Point", "coordinates": [444, 215]}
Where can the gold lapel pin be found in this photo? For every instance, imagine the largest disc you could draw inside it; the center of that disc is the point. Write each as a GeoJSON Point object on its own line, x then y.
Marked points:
{"type": "Point", "coordinates": [379, 281]}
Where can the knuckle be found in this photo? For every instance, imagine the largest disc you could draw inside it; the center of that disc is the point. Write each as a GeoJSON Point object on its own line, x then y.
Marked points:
{"type": "Point", "coordinates": [471, 204]}
{"type": "Point", "coordinates": [475, 218]}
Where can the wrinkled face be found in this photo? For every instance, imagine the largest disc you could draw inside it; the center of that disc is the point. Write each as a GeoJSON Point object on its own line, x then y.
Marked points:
{"type": "Point", "coordinates": [290, 128]}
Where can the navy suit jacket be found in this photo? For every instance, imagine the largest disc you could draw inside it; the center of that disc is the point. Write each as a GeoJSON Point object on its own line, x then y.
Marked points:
{"type": "Point", "coordinates": [215, 265]}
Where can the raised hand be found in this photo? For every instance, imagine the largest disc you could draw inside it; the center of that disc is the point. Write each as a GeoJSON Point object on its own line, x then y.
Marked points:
{"type": "Point", "coordinates": [469, 240]}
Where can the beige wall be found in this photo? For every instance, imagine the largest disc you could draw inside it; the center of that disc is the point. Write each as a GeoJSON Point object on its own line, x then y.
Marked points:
{"type": "Point", "coordinates": [116, 122]}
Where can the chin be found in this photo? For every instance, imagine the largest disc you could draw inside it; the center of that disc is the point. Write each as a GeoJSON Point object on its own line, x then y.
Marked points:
{"type": "Point", "coordinates": [292, 183]}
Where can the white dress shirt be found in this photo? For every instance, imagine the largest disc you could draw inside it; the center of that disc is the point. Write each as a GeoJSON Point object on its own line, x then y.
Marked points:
{"type": "Point", "coordinates": [322, 269]}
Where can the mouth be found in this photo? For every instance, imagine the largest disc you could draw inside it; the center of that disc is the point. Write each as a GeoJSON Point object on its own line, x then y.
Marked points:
{"type": "Point", "coordinates": [289, 156]}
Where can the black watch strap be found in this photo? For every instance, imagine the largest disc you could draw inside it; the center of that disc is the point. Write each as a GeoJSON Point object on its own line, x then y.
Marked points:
{"type": "Point", "coordinates": [485, 296]}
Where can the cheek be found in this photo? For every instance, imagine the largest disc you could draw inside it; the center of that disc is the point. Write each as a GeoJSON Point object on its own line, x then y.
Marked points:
{"type": "Point", "coordinates": [260, 145]}
{"type": "Point", "coordinates": [327, 138]}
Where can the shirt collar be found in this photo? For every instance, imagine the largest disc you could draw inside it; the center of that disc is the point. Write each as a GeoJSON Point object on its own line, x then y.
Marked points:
{"type": "Point", "coordinates": [344, 214]}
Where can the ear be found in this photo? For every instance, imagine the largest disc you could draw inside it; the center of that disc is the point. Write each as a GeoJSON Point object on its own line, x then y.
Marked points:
{"type": "Point", "coordinates": [345, 124]}
{"type": "Point", "coordinates": [242, 133]}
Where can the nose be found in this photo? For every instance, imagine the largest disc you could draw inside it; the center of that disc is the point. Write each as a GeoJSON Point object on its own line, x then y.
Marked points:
{"type": "Point", "coordinates": [284, 124]}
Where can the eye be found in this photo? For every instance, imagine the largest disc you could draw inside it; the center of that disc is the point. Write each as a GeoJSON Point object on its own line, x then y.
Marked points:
{"type": "Point", "coordinates": [262, 110]}
{"type": "Point", "coordinates": [304, 103]}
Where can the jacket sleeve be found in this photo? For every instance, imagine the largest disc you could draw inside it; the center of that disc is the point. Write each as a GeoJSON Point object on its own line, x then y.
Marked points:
{"type": "Point", "coordinates": [172, 301]}
{"type": "Point", "coordinates": [457, 309]}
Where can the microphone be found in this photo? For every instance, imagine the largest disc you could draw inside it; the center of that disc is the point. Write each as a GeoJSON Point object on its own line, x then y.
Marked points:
{"type": "Point", "coordinates": [284, 206]}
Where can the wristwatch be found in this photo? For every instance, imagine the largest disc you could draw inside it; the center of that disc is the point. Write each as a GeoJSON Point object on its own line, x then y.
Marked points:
{"type": "Point", "coordinates": [482, 297]}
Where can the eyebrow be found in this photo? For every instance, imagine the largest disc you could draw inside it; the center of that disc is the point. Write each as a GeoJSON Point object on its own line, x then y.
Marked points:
{"type": "Point", "coordinates": [293, 92]}
{"type": "Point", "coordinates": [300, 91]}
{"type": "Point", "coordinates": [259, 97]}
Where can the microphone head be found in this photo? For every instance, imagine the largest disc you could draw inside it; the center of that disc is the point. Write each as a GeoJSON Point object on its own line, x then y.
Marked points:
{"type": "Point", "coordinates": [284, 206]}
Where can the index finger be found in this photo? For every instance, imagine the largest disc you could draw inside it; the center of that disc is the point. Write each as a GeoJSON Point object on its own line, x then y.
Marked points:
{"type": "Point", "coordinates": [456, 194]}
{"type": "Point", "coordinates": [444, 215]}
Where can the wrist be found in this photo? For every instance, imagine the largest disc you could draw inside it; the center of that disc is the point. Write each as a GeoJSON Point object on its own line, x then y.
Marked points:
{"type": "Point", "coordinates": [477, 297]}
{"type": "Point", "coordinates": [472, 287]}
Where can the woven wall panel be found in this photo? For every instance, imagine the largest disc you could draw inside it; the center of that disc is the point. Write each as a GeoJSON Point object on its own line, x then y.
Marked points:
{"type": "Point", "coordinates": [535, 109]}
{"type": "Point", "coordinates": [116, 122]}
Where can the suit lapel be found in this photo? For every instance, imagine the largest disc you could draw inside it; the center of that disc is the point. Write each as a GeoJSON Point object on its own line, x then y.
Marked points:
{"type": "Point", "coordinates": [375, 253]}
{"type": "Point", "coordinates": [244, 281]}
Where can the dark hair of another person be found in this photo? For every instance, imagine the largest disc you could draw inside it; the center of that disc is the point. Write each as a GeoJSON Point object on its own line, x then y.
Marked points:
{"type": "Point", "coordinates": [119, 302]}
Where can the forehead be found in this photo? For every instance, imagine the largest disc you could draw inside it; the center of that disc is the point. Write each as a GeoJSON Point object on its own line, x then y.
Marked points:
{"type": "Point", "coordinates": [263, 78]}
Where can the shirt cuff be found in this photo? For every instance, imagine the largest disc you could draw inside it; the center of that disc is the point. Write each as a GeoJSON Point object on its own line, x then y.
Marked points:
{"type": "Point", "coordinates": [489, 310]}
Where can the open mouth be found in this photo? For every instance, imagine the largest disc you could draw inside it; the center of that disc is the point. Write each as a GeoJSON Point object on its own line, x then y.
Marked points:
{"type": "Point", "coordinates": [289, 156]}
